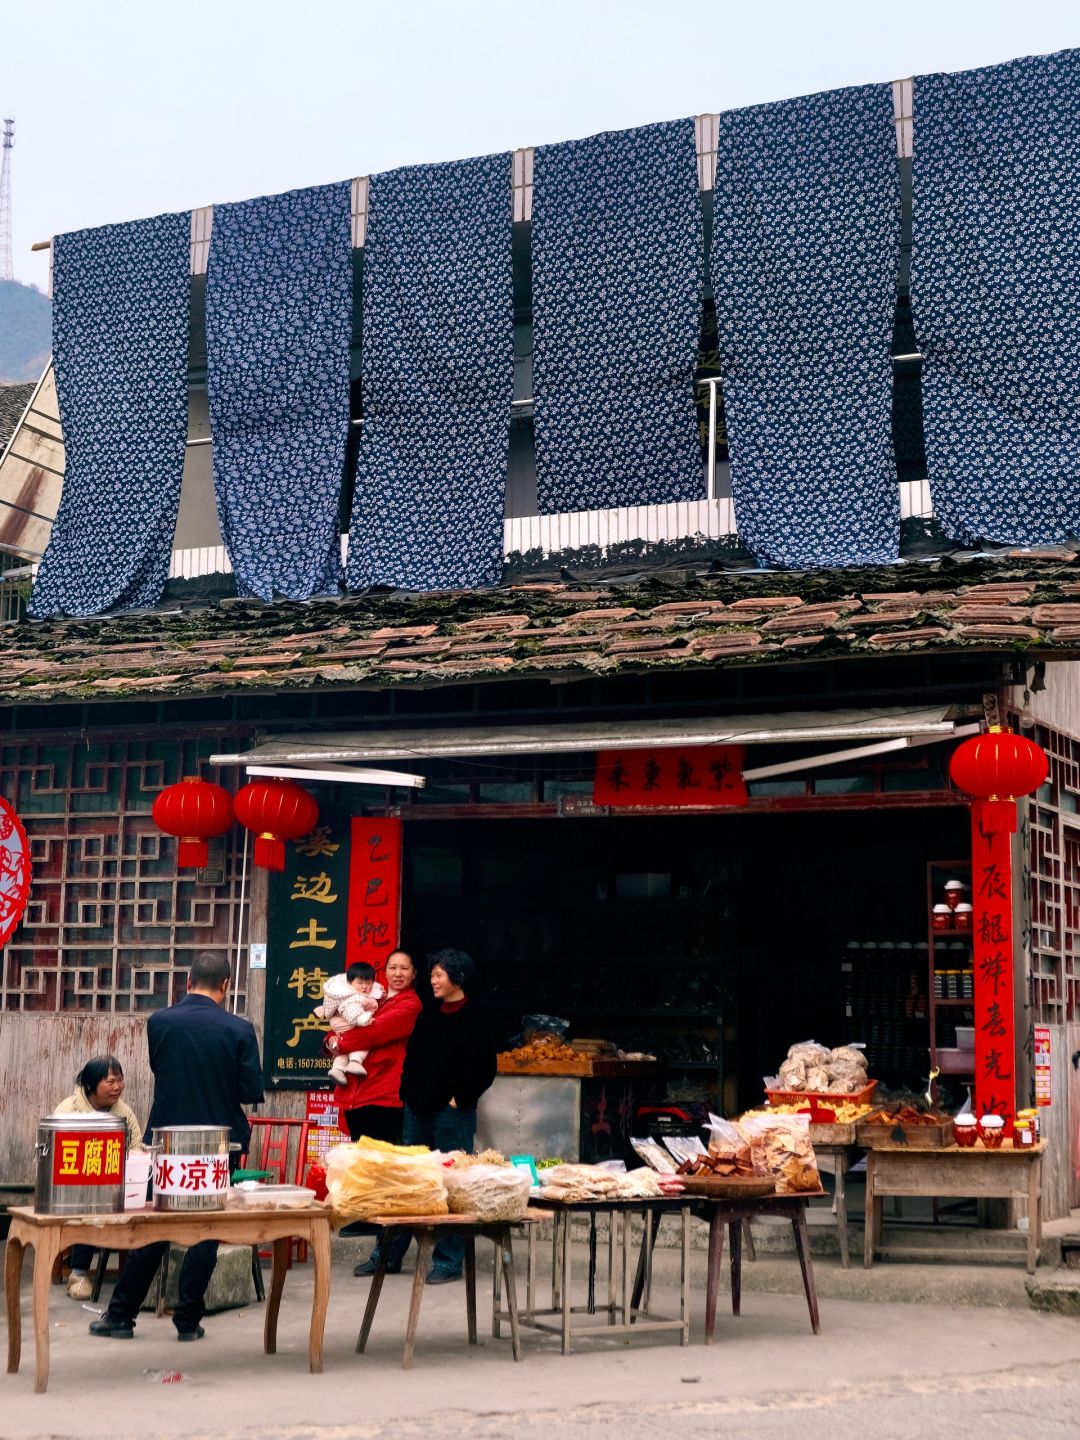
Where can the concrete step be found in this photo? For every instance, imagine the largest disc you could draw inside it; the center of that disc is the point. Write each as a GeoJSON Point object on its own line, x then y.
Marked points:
{"type": "Point", "coordinates": [1058, 1292]}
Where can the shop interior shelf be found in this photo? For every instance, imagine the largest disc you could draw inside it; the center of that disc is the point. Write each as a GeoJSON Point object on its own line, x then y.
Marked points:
{"type": "Point", "coordinates": [939, 1001]}
{"type": "Point", "coordinates": [956, 1062]}
{"type": "Point", "coordinates": [706, 1014]}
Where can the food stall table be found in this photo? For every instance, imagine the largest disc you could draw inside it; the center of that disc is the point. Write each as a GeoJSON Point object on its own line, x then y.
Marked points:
{"type": "Point", "coordinates": [625, 1314]}
{"type": "Point", "coordinates": [955, 1172]}
{"type": "Point", "coordinates": [841, 1156]}
{"type": "Point", "coordinates": [427, 1229]}
{"type": "Point", "coordinates": [247, 1225]}
{"type": "Point", "coordinates": [733, 1213]}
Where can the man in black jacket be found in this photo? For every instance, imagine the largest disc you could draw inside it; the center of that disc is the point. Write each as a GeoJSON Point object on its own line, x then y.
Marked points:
{"type": "Point", "coordinates": [206, 1066]}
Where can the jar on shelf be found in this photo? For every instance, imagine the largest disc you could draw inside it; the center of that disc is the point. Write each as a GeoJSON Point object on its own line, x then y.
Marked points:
{"type": "Point", "coordinates": [967, 984]}
{"type": "Point", "coordinates": [966, 1130]}
{"type": "Point", "coordinates": [963, 916]}
{"type": "Point", "coordinates": [941, 918]}
{"type": "Point", "coordinates": [955, 891]}
{"type": "Point", "coordinates": [939, 984]}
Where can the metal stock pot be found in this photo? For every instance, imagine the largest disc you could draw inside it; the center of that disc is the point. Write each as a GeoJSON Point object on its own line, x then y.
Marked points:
{"type": "Point", "coordinates": [191, 1166]}
{"type": "Point", "coordinates": [80, 1165]}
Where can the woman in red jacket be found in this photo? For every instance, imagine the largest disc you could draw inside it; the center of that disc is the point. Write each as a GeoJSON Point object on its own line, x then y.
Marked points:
{"type": "Point", "coordinates": [371, 1104]}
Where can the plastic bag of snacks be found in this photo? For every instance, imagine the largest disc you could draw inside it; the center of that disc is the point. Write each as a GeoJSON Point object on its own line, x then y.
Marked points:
{"type": "Point", "coordinates": [492, 1192]}
{"type": "Point", "coordinates": [374, 1178]}
{"type": "Point", "coordinates": [780, 1146]}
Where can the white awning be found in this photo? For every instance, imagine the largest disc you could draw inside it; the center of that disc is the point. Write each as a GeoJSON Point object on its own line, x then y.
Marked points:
{"type": "Point", "coordinates": [789, 727]}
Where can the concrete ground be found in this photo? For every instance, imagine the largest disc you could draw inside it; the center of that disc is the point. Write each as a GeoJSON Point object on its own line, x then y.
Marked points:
{"type": "Point", "coordinates": [882, 1366]}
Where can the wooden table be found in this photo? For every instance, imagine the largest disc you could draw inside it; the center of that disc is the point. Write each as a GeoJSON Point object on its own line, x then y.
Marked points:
{"type": "Point", "coordinates": [955, 1173]}
{"type": "Point", "coordinates": [427, 1229]}
{"type": "Point", "coordinates": [841, 1156]}
{"type": "Point", "coordinates": [247, 1225]}
{"type": "Point", "coordinates": [627, 1297]}
{"type": "Point", "coordinates": [732, 1214]}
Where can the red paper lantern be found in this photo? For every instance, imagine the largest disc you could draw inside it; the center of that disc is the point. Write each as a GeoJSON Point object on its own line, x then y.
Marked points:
{"type": "Point", "coordinates": [194, 810]}
{"type": "Point", "coordinates": [277, 810]}
{"type": "Point", "coordinates": [997, 767]}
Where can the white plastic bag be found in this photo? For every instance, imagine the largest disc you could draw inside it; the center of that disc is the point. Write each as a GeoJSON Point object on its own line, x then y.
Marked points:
{"type": "Point", "coordinates": [491, 1192]}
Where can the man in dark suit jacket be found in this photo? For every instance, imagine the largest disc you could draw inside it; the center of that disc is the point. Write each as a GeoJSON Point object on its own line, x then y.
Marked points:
{"type": "Point", "coordinates": [206, 1066]}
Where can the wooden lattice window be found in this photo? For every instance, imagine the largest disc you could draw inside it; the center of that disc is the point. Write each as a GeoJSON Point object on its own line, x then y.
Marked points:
{"type": "Point", "coordinates": [111, 926]}
{"type": "Point", "coordinates": [1054, 857]}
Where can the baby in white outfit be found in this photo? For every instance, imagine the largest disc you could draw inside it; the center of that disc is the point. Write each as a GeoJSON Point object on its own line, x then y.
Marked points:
{"type": "Point", "coordinates": [355, 997]}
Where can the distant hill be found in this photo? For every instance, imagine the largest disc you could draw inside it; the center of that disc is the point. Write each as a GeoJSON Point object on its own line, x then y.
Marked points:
{"type": "Point", "coordinates": [25, 331]}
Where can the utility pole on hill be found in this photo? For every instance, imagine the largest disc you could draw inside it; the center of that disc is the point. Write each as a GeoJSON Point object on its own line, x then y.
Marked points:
{"type": "Point", "coordinates": [6, 272]}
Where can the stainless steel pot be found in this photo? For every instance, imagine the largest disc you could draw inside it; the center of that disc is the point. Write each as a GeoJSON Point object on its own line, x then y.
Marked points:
{"type": "Point", "coordinates": [80, 1165]}
{"type": "Point", "coordinates": [191, 1166]}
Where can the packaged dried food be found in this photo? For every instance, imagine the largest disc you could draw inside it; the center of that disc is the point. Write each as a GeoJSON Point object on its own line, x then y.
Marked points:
{"type": "Point", "coordinates": [780, 1147]}
{"type": "Point", "coordinates": [491, 1192]}
{"type": "Point", "coordinates": [653, 1153]}
{"type": "Point", "coordinates": [376, 1178]}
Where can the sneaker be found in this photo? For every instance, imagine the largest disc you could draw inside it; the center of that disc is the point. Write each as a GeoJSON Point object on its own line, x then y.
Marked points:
{"type": "Point", "coordinates": [196, 1334]}
{"type": "Point", "coordinates": [109, 1329]}
{"type": "Point", "coordinates": [369, 1266]}
{"type": "Point", "coordinates": [441, 1277]}
{"type": "Point", "coordinates": [79, 1287]}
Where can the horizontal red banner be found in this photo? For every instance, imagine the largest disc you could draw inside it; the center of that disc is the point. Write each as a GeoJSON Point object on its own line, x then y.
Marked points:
{"type": "Point", "coordinates": [698, 775]}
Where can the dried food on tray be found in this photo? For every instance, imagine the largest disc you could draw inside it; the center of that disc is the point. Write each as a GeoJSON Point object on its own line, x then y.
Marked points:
{"type": "Point", "coordinates": [905, 1115]}
{"type": "Point", "coordinates": [545, 1048]}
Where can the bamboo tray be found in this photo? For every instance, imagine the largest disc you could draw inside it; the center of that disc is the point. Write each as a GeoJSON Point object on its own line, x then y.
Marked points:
{"type": "Point", "coordinates": [873, 1134]}
{"type": "Point", "coordinates": [728, 1187]}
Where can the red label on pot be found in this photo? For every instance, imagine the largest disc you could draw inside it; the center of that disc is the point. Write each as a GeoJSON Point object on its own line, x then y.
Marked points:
{"type": "Point", "coordinates": [93, 1157]}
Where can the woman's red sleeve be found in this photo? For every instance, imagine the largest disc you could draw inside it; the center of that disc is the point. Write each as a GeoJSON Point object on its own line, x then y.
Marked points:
{"type": "Point", "coordinates": [394, 1022]}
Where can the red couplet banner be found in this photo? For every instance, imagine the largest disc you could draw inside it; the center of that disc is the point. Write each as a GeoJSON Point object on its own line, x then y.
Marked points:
{"type": "Point", "coordinates": [995, 1024]}
{"type": "Point", "coordinates": [701, 775]}
{"type": "Point", "coordinates": [374, 891]}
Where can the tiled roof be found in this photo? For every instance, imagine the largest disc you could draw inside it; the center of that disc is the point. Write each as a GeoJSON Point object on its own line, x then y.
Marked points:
{"type": "Point", "coordinates": [1021, 601]}
{"type": "Point", "coordinates": [13, 401]}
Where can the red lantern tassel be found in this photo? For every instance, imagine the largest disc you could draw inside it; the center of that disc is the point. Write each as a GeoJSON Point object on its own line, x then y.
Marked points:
{"type": "Point", "coordinates": [194, 853]}
{"type": "Point", "coordinates": [269, 852]}
{"type": "Point", "coordinates": [997, 816]}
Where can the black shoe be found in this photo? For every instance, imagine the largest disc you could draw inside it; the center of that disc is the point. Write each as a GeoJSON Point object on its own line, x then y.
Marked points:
{"type": "Point", "coordinates": [108, 1329]}
{"type": "Point", "coordinates": [196, 1334]}
{"type": "Point", "coordinates": [369, 1266]}
{"type": "Point", "coordinates": [441, 1277]}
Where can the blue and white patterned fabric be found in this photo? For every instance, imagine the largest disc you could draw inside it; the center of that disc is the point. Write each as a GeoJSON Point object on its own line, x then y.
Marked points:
{"type": "Point", "coordinates": [121, 298]}
{"type": "Point", "coordinates": [438, 375]}
{"type": "Point", "coordinates": [617, 283]}
{"type": "Point", "coordinates": [278, 330]}
{"type": "Point", "coordinates": [995, 293]}
{"type": "Point", "coordinates": [806, 235]}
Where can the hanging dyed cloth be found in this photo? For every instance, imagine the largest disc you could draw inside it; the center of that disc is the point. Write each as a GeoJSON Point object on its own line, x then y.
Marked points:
{"type": "Point", "coordinates": [438, 375]}
{"type": "Point", "coordinates": [806, 236]}
{"type": "Point", "coordinates": [278, 330]}
{"type": "Point", "coordinates": [121, 298]}
{"type": "Point", "coordinates": [995, 293]}
{"type": "Point", "coordinates": [617, 284]}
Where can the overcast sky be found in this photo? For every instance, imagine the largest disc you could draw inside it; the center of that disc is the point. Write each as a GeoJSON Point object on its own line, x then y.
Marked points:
{"type": "Point", "coordinates": [126, 109]}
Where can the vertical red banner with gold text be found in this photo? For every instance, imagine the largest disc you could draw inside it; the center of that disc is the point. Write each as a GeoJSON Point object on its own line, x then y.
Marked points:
{"type": "Point", "coordinates": [995, 1025]}
{"type": "Point", "coordinates": [374, 890]}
